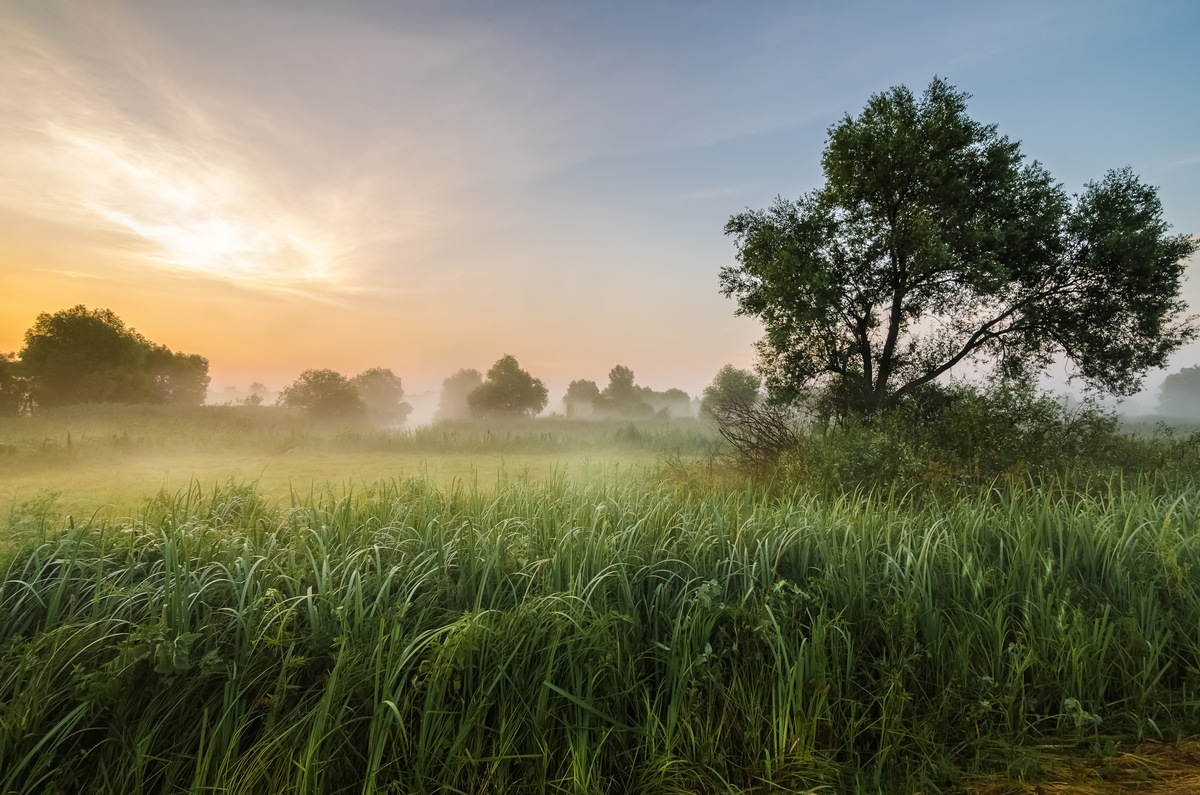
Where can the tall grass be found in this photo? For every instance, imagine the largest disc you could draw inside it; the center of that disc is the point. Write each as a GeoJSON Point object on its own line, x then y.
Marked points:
{"type": "Point", "coordinates": [585, 637]}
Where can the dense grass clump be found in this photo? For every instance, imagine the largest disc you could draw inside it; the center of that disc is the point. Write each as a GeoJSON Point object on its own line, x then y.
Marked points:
{"type": "Point", "coordinates": [604, 636]}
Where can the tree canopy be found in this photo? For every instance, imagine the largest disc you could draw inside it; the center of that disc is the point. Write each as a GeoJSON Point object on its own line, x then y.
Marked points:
{"type": "Point", "coordinates": [508, 391]}
{"type": "Point", "coordinates": [932, 242]}
{"type": "Point", "coordinates": [324, 394]}
{"type": "Point", "coordinates": [581, 397]}
{"type": "Point", "coordinates": [729, 386]}
{"type": "Point", "coordinates": [13, 389]}
{"type": "Point", "coordinates": [452, 403]}
{"type": "Point", "coordinates": [622, 396]}
{"type": "Point", "coordinates": [1179, 395]}
{"type": "Point", "coordinates": [383, 394]}
{"type": "Point", "coordinates": [82, 355]}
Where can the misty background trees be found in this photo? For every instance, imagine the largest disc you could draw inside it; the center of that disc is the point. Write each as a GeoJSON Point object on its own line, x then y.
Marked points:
{"type": "Point", "coordinates": [326, 394]}
{"type": "Point", "coordinates": [623, 397]}
{"type": "Point", "coordinates": [580, 400]}
{"type": "Point", "coordinates": [382, 394]}
{"type": "Point", "coordinates": [508, 391]}
{"type": "Point", "coordinates": [82, 355]}
{"type": "Point", "coordinates": [1179, 395]}
{"type": "Point", "coordinates": [453, 402]}
{"type": "Point", "coordinates": [376, 395]}
{"type": "Point", "coordinates": [730, 387]}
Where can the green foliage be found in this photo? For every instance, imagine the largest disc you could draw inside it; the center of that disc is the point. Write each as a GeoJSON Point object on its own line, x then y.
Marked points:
{"type": "Point", "coordinates": [581, 397]}
{"type": "Point", "coordinates": [1180, 393]}
{"type": "Point", "coordinates": [606, 636]}
{"type": "Point", "coordinates": [729, 385]}
{"type": "Point", "coordinates": [14, 388]}
{"type": "Point", "coordinates": [508, 391]}
{"type": "Point", "coordinates": [932, 243]}
{"type": "Point", "coordinates": [178, 378]}
{"type": "Point", "coordinates": [949, 438]}
{"type": "Point", "coordinates": [79, 355]}
{"type": "Point", "coordinates": [383, 395]}
{"type": "Point", "coordinates": [622, 396]}
{"type": "Point", "coordinates": [672, 402]}
{"type": "Point", "coordinates": [325, 394]}
{"type": "Point", "coordinates": [452, 404]}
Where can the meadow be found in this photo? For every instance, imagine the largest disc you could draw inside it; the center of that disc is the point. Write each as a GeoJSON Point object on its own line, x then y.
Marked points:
{"type": "Point", "coordinates": [108, 457]}
{"type": "Point", "coordinates": [605, 619]}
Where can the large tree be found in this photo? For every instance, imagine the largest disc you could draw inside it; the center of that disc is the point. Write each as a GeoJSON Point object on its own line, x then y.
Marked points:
{"type": "Point", "coordinates": [82, 355]}
{"type": "Point", "coordinates": [508, 391]}
{"type": "Point", "coordinates": [932, 243]}
{"type": "Point", "coordinates": [14, 391]}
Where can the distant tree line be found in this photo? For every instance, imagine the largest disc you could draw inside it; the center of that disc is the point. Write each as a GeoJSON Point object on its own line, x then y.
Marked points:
{"type": "Point", "coordinates": [622, 397]}
{"type": "Point", "coordinates": [376, 395]}
{"type": "Point", "coordinates": [82, 355]}
{"type": "Point", "coordinates": [507, 391]}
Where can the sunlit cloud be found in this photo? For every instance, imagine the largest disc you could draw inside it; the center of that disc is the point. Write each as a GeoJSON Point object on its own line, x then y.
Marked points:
{"type": "Point", "coordinates": [197, 218]}
{"type": "Point", "coordinates": [69, 274]}
{"type": "Point", "coordinates": [182, 198]}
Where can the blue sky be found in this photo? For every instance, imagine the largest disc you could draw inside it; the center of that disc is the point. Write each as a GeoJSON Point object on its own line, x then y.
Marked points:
{"type": "Point", "coordinates": [426, 186]}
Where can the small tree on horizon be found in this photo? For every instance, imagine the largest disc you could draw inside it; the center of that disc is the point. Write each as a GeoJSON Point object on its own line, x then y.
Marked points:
{"type": "Point", "coordinates": [323, 394]}
{"type": "Point", "coordinates": [383, 394]}
{"type": "Point", "coordinates": [508, 391]}
{"type": "Point", "coordinates": [622, 396]}
{"type": "Point", "coordinates": [1179, 395]}
{"type": "Point", "coordinates": [581, 397]}
{"type": "Point", "coordinates": [729, 386]}
{"type": "Point", "coordinates": [452, 404]}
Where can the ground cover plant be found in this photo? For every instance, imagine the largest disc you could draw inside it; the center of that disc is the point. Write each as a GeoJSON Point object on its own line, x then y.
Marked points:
{"type": "Point", "coordinates": [606, 635]}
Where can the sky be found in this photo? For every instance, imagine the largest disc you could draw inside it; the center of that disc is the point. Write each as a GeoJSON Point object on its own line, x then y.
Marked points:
{"type": "Point", "coordinates": [425, 186]}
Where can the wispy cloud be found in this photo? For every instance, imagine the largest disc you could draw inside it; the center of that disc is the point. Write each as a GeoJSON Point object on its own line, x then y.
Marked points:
{"type": "Point", "coordinates": [168, 179]}
{"type": "Point", "coordinates": [72, 274]}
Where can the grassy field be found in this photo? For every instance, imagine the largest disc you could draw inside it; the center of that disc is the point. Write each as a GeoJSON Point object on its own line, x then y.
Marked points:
{"type": "Point", "coordinates": [108, 458]}
{"type": "Point", "coordinates": [608, 628]}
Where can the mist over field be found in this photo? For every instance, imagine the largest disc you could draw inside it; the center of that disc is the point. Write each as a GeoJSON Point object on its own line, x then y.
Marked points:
{"type": "Point", "coordinates": [599, 399]}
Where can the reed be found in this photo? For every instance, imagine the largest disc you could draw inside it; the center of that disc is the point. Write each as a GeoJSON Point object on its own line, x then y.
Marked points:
{"type": "Point", "coordinates": [605, 635]}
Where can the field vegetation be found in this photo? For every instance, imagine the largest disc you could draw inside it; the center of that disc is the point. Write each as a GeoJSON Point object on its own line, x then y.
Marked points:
{"type": "Point", "coordinates": [108, 457]}
{"type": "Point", "coordinates": [642, 622]}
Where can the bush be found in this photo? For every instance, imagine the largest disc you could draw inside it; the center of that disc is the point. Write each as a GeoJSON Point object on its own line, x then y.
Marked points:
{"type": "Point", "coordinates": [967, 436]}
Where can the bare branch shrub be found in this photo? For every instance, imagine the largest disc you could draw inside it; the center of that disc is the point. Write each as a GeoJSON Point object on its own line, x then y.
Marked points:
{"type": "Point", "coordinates": [756, 432]}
